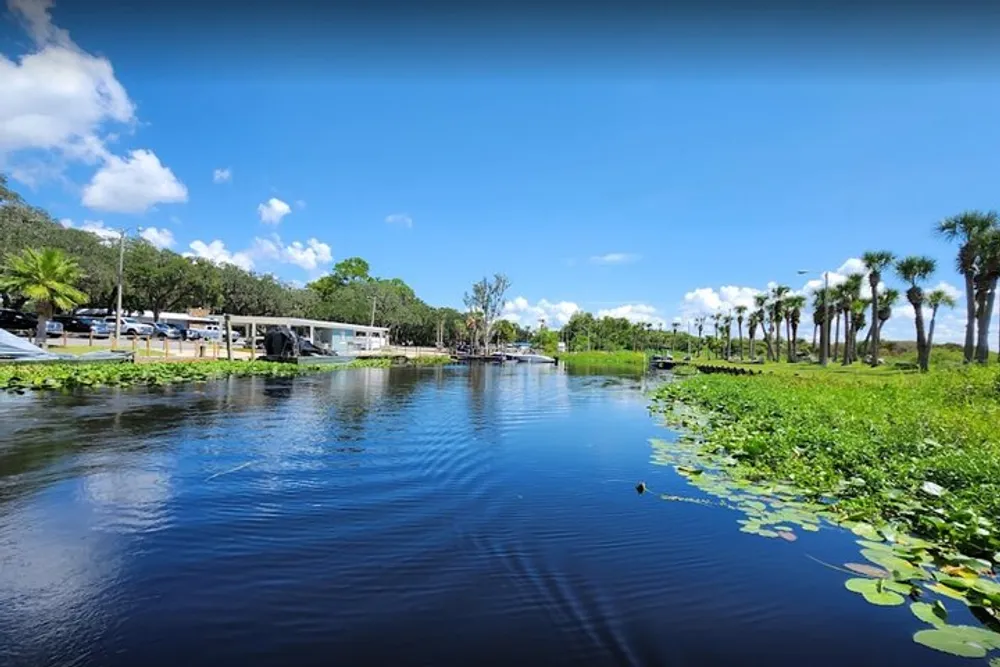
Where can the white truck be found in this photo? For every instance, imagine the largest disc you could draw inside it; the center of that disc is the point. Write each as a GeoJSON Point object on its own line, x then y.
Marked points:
{"type": "Point", "coordinates": [214, 332]}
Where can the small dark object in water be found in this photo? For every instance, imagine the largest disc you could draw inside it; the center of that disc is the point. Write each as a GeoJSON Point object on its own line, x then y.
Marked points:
{"type": "Point", "coordinates": [640, 488]}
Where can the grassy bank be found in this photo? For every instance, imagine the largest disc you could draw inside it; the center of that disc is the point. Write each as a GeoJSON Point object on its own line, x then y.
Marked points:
{"type": "Point", "coordinates": [871, 440]}
{"type": "Point", "coordinates": [384, 362]}
{"type": "Point", "coordinates": [67, 376]}
{"type": "Point", "coordinates": [623, 359]}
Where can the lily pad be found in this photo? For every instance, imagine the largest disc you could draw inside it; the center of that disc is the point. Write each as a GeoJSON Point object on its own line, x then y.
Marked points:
{"type": "Point", "coordinates": [787, 535]}
{"type": "Point", "coordinates": [961, 640]}
{"type": "Point", "coordinates": [874, 591]}
{"type": "Point", "coordinates": [941, 589]}
{"type": "Point", "coordinates": [868, 570]}
{"type": "Point", "coordinates": [935, 614]}
{"type": "Point", "coordinates": [867, 531]}
{"type": "Point", "coordinates": [901, 569]}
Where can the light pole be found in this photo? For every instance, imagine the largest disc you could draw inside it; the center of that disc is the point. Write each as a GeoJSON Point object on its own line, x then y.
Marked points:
{"type": "Point", "coordinates": [824, 330]}
{"type": "Point", "coordinates": [121, 279]}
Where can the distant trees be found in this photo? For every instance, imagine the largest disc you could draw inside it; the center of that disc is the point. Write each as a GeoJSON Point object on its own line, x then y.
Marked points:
{"type": "Point", "coordinates": [486, 301]}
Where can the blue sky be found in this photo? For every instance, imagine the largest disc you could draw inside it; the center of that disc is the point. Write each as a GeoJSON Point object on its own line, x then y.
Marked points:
{"type": "Point", "coordinates": [651, 194]}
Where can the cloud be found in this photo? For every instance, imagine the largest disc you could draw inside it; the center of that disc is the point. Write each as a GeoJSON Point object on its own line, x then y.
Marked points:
{"type": "Point", "coordinates": [948, 289]}
{"type": "Point", "coordinates": [217, 253]}
{"type": "Point", "coordinates": [95, 227]}
{"type": "Point", "coordinates": [400, 219]}
{"type": "Point", "coordinates": [521, 312]}
{"type": "Point", "coordinates": [635, 312]}
{"type": "Point", "coordinates": [161, 238]}
{"type": "Point", "coordinates": [222, 175]}
{"type": "Point", "coordinates": [309, 255]}
{"type": "Point", "coordinates": [133, 184]}
{"type": "Point", "coordinates": [614, 258]}
{"type": "Point", "coordinates": [706, 300]}
{"type": "Point", "coordinates": [57, 97]}
{"type": "Point", "coordinates": [272, 211]}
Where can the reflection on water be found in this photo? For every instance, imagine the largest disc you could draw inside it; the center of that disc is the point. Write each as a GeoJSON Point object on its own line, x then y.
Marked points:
{"type": "Point", "coordinates": [480, 515]}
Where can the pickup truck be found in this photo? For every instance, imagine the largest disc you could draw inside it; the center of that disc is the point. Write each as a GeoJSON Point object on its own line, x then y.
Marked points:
{"type": "Point", "coordinates": [211, 332]}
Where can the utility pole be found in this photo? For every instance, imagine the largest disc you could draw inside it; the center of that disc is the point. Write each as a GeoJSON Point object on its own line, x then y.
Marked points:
{"type": "Point", "coordinates": [121, 271]}
{"type": "Point", "coordinates": [374, 299]}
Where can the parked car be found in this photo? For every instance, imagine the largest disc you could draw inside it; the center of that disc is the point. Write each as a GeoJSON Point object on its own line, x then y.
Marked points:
{"type": "Point", "coordinates": [81, 324]}
{"type": "Point", "coordinates": [131, 327]}
{"type": "Point", "coordinates": [53, 328]}
{"type": "Point", "coordinates": [15, 320]}
{"type": "Point", "coordinates": [166, 331]}
{"type": "Point", "coordinates": [215, 332]}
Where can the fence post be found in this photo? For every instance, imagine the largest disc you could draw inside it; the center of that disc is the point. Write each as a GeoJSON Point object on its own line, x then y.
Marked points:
{"type": "Point", "coordinates": [148, 343]}
{"type": "Point", "coordinates": [133, 344]}
{"type": "Point", "coordinates": [65, 341]}
{"type": "Point", "coordinates": [166, 348]}
{"type": "Point", "coordinates": [91, 338]}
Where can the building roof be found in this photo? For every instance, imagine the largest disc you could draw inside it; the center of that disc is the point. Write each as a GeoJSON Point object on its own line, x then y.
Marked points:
{"type": "Point", "coordinates": [261, 320]}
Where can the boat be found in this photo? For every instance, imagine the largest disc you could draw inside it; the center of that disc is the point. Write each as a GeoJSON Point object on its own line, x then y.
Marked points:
{"type": "Point", "coordinates": [532, 358]}
{"type": "Point", "coordinates": [665, 362]}
{"type": "Point", "coordinates": [14, 350]}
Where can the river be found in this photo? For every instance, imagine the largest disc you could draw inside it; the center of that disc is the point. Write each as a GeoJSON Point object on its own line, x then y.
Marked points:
{"type": "Point", "coordinates": [470, 515]}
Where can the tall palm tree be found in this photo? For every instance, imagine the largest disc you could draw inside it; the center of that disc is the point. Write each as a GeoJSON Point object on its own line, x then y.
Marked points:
{"type": "Point", "coordinates": [727, 327]}
{"type": "Point", "coordinates": [716, 319]}
{"type": "Point", "coordinates": [820, 298]}
{"type": "Point", "coordinates": [836, 298]}
{"type": "Point", "coordinates": [741, 311]}
{"type": "Point", "coordinates": [48, 278]}
{"type": "Point", "coordinates": [987, 274]}
{"type": "Point", "coordinates": [851, 292]}
{"type": "Point", "coordinates": [795, 304]}
{"type": "Point", "coordinates": [700, 323]}
{"type": "Point", "coordinates": [914, 270]}
{"type": "Point", "coordinates": [760, 303]}
{"type": "Point", "coordinates": [859, 308]}
{"type": "Point", "coordinates": [936, 299]}
{"type": "Point", "coordinates": [778, 293]}
{"type": "Point", "coordinates": [876, 261]}
{"type": "Point", "coordinates": [967, 228]}
{"type": "Point", "coordinates": [753, 322]}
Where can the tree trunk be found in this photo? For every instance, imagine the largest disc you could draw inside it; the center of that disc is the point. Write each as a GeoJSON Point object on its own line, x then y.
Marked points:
{"type": "Point", "coordinates": [970, 316]}
{"type": "Point", "coordinates": [836, 336]}
{"type": "Point", "coordinates": [739, 327]}
{"type": "Point", "coordinates": [44, 312]}
{"type": "Point", "coordinates": [918, 320]}
{"type": "Point", "coordinates": [752, 341]}
{"type": "Point", "coordinates": [845, 358]}
{"type": "Point", "coordinates": [795, 340]}
{"type": "Point", "coordinates": [815, 332]}
{"type": "Point", "coordinates": [984, 316]}
{"type": "Point", "coordinates": [873, 279]}
{"type": "Point", "coordinates": [788, 338]}
{"type": "Point", "coordinates": [767, 343]}
{"type": "Point", "coordinates": [930, 329]}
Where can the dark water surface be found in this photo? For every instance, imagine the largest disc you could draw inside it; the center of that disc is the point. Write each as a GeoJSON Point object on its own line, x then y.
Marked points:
{"type": "Point", "coordinates": [466, 516]}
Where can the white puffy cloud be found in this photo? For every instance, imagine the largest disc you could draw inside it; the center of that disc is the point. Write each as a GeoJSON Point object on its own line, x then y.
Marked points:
{"type": "Point", "coordinates": [273, 210]}
{"type": "Point", "coordinates": [614, 258]}
{"type": "Point", "coordinates": [159, 237]}
{"type": "Point", "coordinates": [95, 227]}
{"type": "Point", "coordinates": [401, 219]}
{"type": "Point", "coordinates": [133, 184]}
{"type": "Point", "coordinates": [948, 289]}
{"type": "Point", "coordinates": [708, 300]}
{"type": "Point", "coordinates": [635, 312]}
{"type": "Point", "coordinates": [217, 253]}
{"type": "Point", "coordinates": [309, 255]}
{"type": "Point", "coordinates": [522, 312]}
{"type": "Point", "coordinates": [222, 175]}
{"type": "Point", "coordinates": [58, 105]}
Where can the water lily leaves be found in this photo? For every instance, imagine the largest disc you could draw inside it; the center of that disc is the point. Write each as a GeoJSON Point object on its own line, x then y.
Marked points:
{"type": "Point", "coordinates": [867, 531]}
{"type": "Point", "coordinates": [960, 640]}
{"type": "Point", "coordinates": [941, 589]}
{"type": "Point", "coordinates": [688, 470]}
{"type": "Point", "coordinates": [901, 569]}
{"type": "Point", "coordinates": [994, 662]}
{"type": "Point", "coordinates": [935, 614]}
{"type": "Point", "coordinates": [960, 571]}
{"type": "Point", "coordinates": [875, 591]}
{"type": "Point", "coordinates": [868, 570]}
{"type": "Point", "coordinates": [787, 535]}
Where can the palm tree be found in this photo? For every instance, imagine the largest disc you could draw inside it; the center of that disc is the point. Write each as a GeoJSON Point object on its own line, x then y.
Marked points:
{"type": "Point", "coordinates": [858, 321]}
{"type": "Point", "coordinates": [760, 303]}
{"type": "Point", "coordinates": [820, 298]}
{"type": "Point", "coordinates": [727, 324]}
{"type": "Point", "coordinates": [836, 298]}
{"type": "Point", "coordinates": [753, 322]}
{"type": "Point", "coordinates": [716, 319]}
{"type": "Point", "coordinates": [778, 293]}
{"type": "Point", "coordinates": [673, 339]}
{"type": "Point", "coordinates": [987, 274]}
{"type": "Point", "coordinates": [936, 299]}
{"type": "Point", "coordinates": [967, 228]}
{"type": "Point", "coordinates": [48, 278]}
{"type": "Point", "coordinates": [850, 292]}
{"type": "Point", "coordinates": [741, 311]}
{"type": "Point", "coordinates": [700, 322]}
{"type": "Point", "coordinates": [876, 261]}
{"type": "Point", "coordinates": [794, 305]}
{"type": "Point", "coordinates": [914, 270]}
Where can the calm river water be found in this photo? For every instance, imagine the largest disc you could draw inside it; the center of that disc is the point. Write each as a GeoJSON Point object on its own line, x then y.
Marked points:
{"type": "Point", "coordinates": [449, 516]}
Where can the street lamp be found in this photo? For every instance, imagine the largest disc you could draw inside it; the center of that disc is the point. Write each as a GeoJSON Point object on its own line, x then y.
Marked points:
{"type": "Point", "coordinates": [824, 330]}
{"type": "Point", "coordinates": [121, 271]}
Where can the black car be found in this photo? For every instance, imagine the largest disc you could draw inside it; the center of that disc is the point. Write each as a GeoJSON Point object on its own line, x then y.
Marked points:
{"type": "Point", "coordinates": [14, 320]}
{"type": "Point", "coordinates": [79, 324]}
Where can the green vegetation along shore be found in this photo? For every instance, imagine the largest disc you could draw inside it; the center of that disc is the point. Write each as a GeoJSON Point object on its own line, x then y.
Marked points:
{"type": "Point", "coordinates": [909, 462]}
{"type": "Point", "coordinates": [19, 377]}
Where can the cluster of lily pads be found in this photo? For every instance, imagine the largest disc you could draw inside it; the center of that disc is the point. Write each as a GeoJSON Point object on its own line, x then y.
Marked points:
{"type": "Point", "coordinates": [898, 567]}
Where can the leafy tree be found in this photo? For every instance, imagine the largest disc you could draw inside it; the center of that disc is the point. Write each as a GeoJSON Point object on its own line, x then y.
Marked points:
{"type": "Point", "coordinates": [486, 300]}
{"type": "Point", "coordinates": [48, 278]}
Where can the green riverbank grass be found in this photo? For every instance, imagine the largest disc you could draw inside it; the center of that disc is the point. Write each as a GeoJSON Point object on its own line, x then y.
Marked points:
{"type": "Point", "coordinates": [909, 462]}
{"type": "Point", "coordinates": [68, 376]}
{"type": "Point", "coordinates": [624, 360]}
